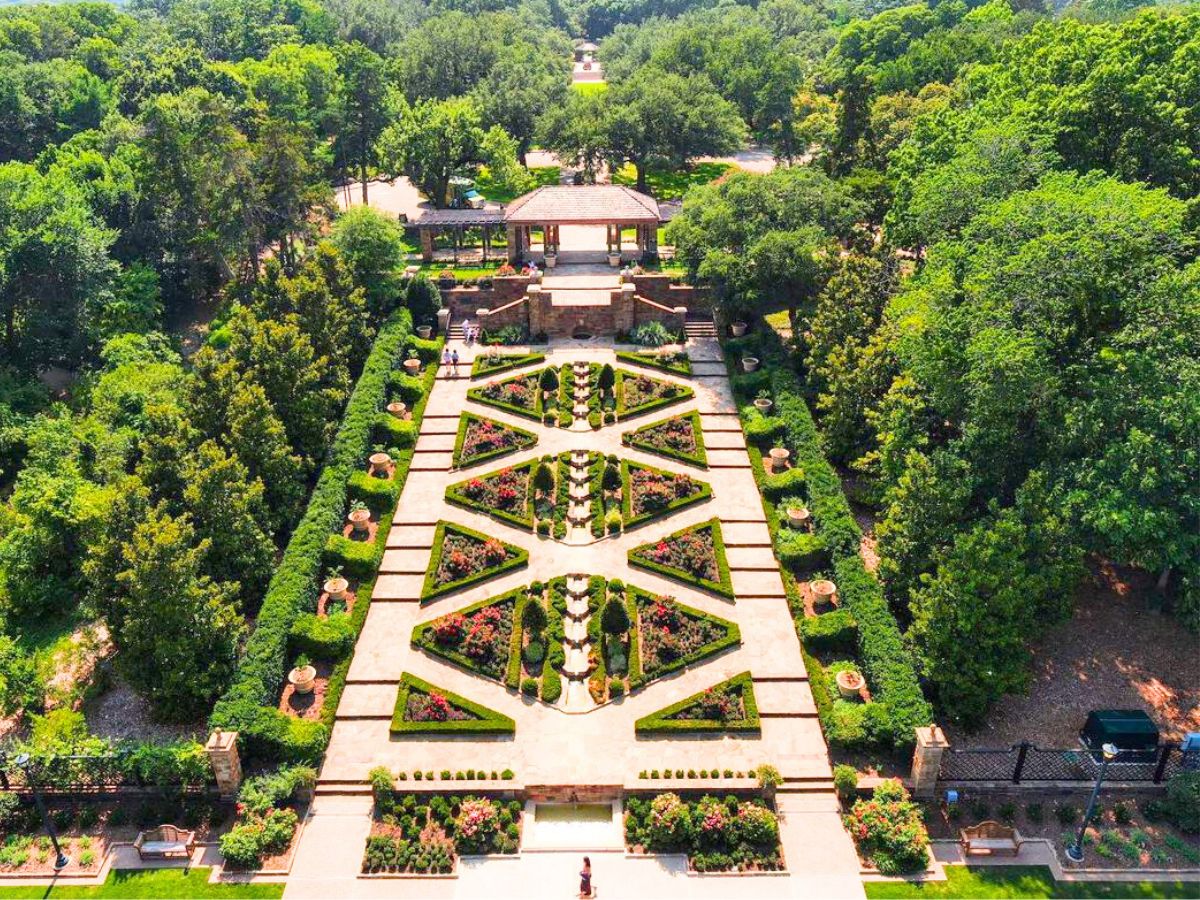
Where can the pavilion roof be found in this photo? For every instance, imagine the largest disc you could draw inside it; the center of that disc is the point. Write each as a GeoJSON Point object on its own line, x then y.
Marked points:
{"type": "Point", "coordinates": [586, 204]}
{"type": "Point", "coordinates": [587, 46]}
{"type": "Point", "coordinates": [460, 218]}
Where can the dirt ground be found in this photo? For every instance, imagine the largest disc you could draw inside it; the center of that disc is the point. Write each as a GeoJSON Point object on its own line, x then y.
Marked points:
{"type": "Point", "coordinates": [1117, 652]}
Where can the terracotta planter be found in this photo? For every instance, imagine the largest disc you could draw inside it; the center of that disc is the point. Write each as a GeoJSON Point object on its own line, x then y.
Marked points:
{"type": "Point", "coordinates": [799, 517]}
{"type": "Point", "coordinates": [764, 404]}
{"type": "Point", "coordinates": [750, 363]}
{"type": "Point", "coordinates": [379, 463]}
{"type": "Point", "coordinates": [412, 366]}
{"type": "Point", "coordinates": [850, 684]}
{"type": "Point", "coordinates": [779, 458]}
{"type": "Point", "coordinates": [614, 260]}
{"type": "Point", "coordinates": [303, 679]}
{"type": "Point", "coordinates": [737, 329]}
{"type": "Point", "coordinates": [360, 519]}
{"type": "Point", "coordinates": [397, 409]}
{"type": "Point", "coordinates": [336, 588]}
{"type": "Point", "coordinates": [424, 331]}
{"type": "Point", "coordinates": [551, 260]}
{"type": "Point", "coordinates": [824, 592]}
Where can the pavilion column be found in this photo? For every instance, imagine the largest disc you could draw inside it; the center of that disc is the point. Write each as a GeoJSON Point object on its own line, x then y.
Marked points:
{"type": "Point", "coordinates": [427, 244]}
{"type": "Point", "coordinates": [486, 231]}
{"type": "Point", "coordinates": [512, 234]}
{"type": "Point", "coordinates": [652, 239]}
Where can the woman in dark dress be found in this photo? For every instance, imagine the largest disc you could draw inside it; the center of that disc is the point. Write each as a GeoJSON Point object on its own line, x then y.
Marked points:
{"type": "Point", "coordinates": [585, 879]}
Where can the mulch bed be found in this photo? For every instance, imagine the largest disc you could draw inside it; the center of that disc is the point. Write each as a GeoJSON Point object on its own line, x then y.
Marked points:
{"type": "Point", "coordinates": [307, 706]}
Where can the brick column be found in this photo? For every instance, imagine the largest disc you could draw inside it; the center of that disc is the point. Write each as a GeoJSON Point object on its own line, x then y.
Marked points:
{"type": "Point", "coordinates": [534, 310]}
{"type": "Point", "coordinates": [623, 312]}
{"type": "Point", "coordinates": [222, 753]}
{"type": "Point", "coordinates": [513, 232]}
{"type": "Point", "coordinates": [927, 760]}
{"type": "Point", "coordinates": [427, 244]}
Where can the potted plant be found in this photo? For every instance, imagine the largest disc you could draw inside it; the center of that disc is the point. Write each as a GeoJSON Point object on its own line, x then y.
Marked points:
{"type": "Point", "coordinates": [738, 329]}
{"type": "Point", "coordinates": [551, 260]}
{"type": "Point", "coordinates": [303, 677]}
{"type": "Point", "coordinates": [614, 259]}
{"type": "Point", "coordinates": [824, 592]}
{"type": "Point", "coordinates": [397, 409]}
{"type": "Point", "coordinates": [763, 401]}
{"type": "Point", "coordinates": [424, 332]}
{"type": "Point", "coordinates": [799, 517]}
{"type": "Point", "coordinates": [750, 363]}
{"type": "Point", "coordinates": [336, 585]}
{"type": "Point", "coordinates": [850, 684]}
{"type": "Point", "coordinates": [446, 278]}
{"type": "Point", "coordinates": [379, 463]}
{"type": "Point", "coordinates": [359, 516]}
{"type": "Point", "coordinates": [412, 365]}
{"type": "Point", "coordinates": [779, 458]}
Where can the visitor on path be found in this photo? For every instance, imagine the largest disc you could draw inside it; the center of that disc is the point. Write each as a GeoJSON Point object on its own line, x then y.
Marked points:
{"type": "Point", "coordinates": [467, 332]}
{"type": "Point", "coordinates": [454, 363]}
{"type": "Point", "coordinates": [585, 878]}
{"type": "Point", "coordinates": [445, 356]}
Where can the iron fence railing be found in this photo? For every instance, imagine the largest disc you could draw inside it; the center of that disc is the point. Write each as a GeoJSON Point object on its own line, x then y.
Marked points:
{"type": "Point", "coordinates": [1025, 762]}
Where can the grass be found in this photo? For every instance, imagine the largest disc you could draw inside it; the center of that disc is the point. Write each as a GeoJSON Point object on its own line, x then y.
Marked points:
{"type": "Point", "coordinates": [673, 184]}
{"type": "Point", "coordinates": [1023, 881]}
{"type": "Point", "coordinates": [486, 270]}
{"type": "Point", "coordinates": [590, 87]}
{"type": "Point", "coordinates": [150, 883]}
{"type": "Point", "coordinates": [501, 193]}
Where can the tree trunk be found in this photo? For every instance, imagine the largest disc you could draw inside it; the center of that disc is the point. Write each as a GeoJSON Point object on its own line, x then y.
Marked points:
{"type": "Point", "coordinates": [641, 177]}
{"type": "Point", "coordinates": [362, 174]}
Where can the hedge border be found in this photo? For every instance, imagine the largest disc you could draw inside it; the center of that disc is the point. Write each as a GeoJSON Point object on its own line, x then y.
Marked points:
{"type": "Point", "coordinates": [476, 394]}
{"type": "Point", "coordinates": [489, 721]}
{"type": "Point", "coordinates": [638, 678]}
{"type": "Point", "coordinates": [724, 588]}
{"type": "Point", "coordinates": [429, 591]}
{"type": "Point", "coordinates": [456, 497]}
{"type": "Point", "coordinates": [700, 459]}
{"type": "Point", "coordinates": [465, 420]}
{"type": "Point", "coordinates": [511, 361]}
{"type": "Point", "coordinates": [661, 722]}
{"type": "Point", "coordinates": [630, 521]}
{"type": "Point", "coordinates": [645, 358]}
{"type": "Point", "coordinates": [686, 392]}
{"type": "Point", "coordinates": [420, 641]}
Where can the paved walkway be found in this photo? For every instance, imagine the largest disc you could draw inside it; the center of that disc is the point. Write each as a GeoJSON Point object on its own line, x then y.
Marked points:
{"type": "Point", "coordinates": [598, 747]}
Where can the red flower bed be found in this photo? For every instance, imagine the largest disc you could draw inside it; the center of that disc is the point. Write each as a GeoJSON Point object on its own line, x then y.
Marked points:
{"type": "Point", "coordinates": [642, 389]}
{"type": "Point", "coordinates": [651, 491]}
{"type": "Point", "coordinates": [432, 707]}
{"type": "Point", "coordinates": [520, 392]}
{"type": "Point", "coordinates": [463, 555]}
{"type": "Point", "coordinates": [692, 551]}
{"type": "Point", "coordinates": [668, 633]}
{"type": "Point", "coordinates": [505, 490]}
{"type": "Point", "coordinates": [484, 436]}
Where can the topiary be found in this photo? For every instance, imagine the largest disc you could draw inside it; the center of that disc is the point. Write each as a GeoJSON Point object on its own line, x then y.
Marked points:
{"type": "Point", "coordinates": [845, 782]}
{"type": "Point", "coordinates": [533, 617]}
{"type": "Point", "coordinates": [614, 619]}
{"type": "Point", "coordinates": [534, 653]}
{"type": "Point", "coordinates": [529, 687]}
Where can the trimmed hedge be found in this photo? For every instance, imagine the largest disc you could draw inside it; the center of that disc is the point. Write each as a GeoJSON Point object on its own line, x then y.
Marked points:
{"type": "Point", "coordinates": [356, 559]}
{"type": "Point", "coordinates": [637, 677]}
{"type": "Point", "coordinates": [724, 587]}
{"type": "Point", "coordinates": [507, 362]}
{"type": "Point", "coordinates": [489, 721]}
{"type": "Point", "coordinates": [526, 440]}
{"type": "Point", "coordinates": [631, 521]}
{"type": "Point", "coordinates": [379, 494]}
{"type": "Point", "coordinates": [328, 638]}
{"type": "Point", "coordinates": [831, 632]}
{"type": "Point", "coordinates": [661, 722]}
{"type": "Point", "coordinates": [624, 412]}
{"type": "Point", "coordinates": [456, 496]}
{"type": "Point", "coordinates": [898, 704]}
{"type": "Point", "coordinates": [519, 557]}
{"type": "Point", "coordinates": [699, 458]}
{"type": "Point", "coordinates": [248, 706]}
{"type": "Point", "coordinates": [652, 360]}
{"type": "Point", "coordinates": [393, 432]}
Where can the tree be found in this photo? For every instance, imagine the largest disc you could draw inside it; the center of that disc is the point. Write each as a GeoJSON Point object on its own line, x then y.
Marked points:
{"type": "Point", "coordinates": [20, 687]}
{"type": "Point", "coordinates": [290, 183]}
{"type": "Point", "coordinates": [548, 381]}
{"type": "Point", "coordinates": [372, 247]}
{"type": "Point", "coordinates": [614, 618]}
{"type": "Point", "coordinates": [543, 479]}
{"type": "Point", "coordinates": [520, 88]}
{"type": "Point", "coordinates": [178, 630]}
{"type": "Point", "coordinates": [423, 300]}
{"type": "Point", "coordinates": [257, 437]}
{"type": "Point", "coordinates": [606, 379]}
{"type": "Point", "coordinates": [362, 110]}
{"type": "Point", "coordinates": [533, 617]}
{"type": "Point", "coordinates": [575, 130]}
{"type": "Point", "coordinates": [791, 266]}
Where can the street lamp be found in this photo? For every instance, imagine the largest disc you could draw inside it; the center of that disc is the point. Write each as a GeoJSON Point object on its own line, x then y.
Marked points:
{"type": "Point", "coordinates": [60, 858]}
{"type": "Point", "coordinates": [1075, 851]}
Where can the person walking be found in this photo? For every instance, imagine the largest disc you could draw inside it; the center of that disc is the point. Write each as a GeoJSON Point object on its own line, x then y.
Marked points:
{"type": "Point", "coordinates": [445, 357]}
{"type": "Point", "coordinates": [454, 363]}
{"type": "Point", "coordinates": [585, 878]}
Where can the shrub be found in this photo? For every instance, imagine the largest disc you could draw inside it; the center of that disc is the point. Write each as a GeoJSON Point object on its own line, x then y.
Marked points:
{"type": "Point", "coordinates": [616, 688]}
{"type": "Point", "coordinates": [529, 687]}
{"type": "Point", "coordinates": [393, 432]}
{"type": "Point", "coordinates": [845, 782]}
{"type": "Point", "coordinates": [756, 824]}
{"type": "Point", "coordinates": [533, 616]}
{"type": "Point", "coordinates": [889, 830]}
{"type": "Point", "coordinates": [768, 777]}
{"type": "Point", "coordinates": [381, 781]}
{"type": "Point", "coordinates": [328, 638]}
{"type": "Point", "coordinates": [1067, 814]}
{"type": "Point", "coordinates": [669, 826]}
{"type": "Point", "coordinates": [377, 494]}
{"type": "Point", "coordinates": [1183, 801]}
{"type": "Point", "coordinates": [831, 632]}
{"type": "Point", "coordinates": [356, 559]}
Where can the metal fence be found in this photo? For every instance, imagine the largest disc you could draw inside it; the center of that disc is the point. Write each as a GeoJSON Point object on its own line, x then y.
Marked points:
{"type": "Point", "coordinates": [109, 773]}
{"type": "Point", "coordinates": [1022, 763]}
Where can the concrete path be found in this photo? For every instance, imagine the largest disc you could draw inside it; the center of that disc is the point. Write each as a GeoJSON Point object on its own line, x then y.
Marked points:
{"type": "Point", "coordinates": [553, 746]}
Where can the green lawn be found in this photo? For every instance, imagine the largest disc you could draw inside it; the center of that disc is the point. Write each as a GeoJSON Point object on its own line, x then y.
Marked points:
{"type": "Point", "coordinates": [434, 269]}
{"type": "Point", "coordinates": [543, 175]}
{"type": "Point", "coordinates": [671, 185]}
{"type": "Point", "coordinates": [150, 883]}
{"type": "Point", "coordinates": [590, 87]}
{"type": "Point", "coordinates": [1023, 881]}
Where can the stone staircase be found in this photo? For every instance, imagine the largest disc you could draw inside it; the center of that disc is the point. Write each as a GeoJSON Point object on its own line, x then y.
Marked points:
{"type": "Point", "coordinates": [579, 499]}
{"type": "Point", "coordinates": [700, 327]}
{"type": "Point", "coordinates": [576, 646]}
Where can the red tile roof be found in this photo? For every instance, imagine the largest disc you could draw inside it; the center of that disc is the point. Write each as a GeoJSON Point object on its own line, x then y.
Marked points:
{"type": "Point", "coordinates": [586, 204]}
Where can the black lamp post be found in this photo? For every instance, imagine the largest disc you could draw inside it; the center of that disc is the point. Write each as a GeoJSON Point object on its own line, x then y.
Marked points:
{"type": "Point", "coordinates": [60, 858]}
{"type": "Point", "coordinates": [1075, 851]}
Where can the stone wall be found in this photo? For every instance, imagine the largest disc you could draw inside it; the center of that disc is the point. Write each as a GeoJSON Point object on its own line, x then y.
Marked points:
{"type": "Point", "coordinates": [463, 301]}
{"type": "Point", "coordinates": [661, 289]}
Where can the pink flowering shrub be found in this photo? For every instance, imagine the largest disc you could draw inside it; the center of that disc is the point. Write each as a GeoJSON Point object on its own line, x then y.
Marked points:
{"type": "Point", "coordinates": [889, 830]}
{"type": "Point", "coordinates": [476, 826]}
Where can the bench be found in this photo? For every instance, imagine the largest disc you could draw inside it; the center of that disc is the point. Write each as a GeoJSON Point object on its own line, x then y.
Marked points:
{"type": "Point", "coordinates": [165, 842]}
{"type": "Point", "coordinates": [991, 839]}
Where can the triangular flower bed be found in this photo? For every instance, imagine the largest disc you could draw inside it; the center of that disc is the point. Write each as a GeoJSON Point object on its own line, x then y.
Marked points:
{"type": "Point", "coordinates": [639, 393]}
{"type": "Point", "coordinates": [423, 708]}
{"type": "Point", "coordinates": [505, 494]}
{"type": "Point", "coordinates": [725, 708]}
{"type": "Point", "coordinates": [649, 493]}
{"type": "Point", "coordinates": [667, 635]}
{"type": "Point", "coordinates": [693, 555]}
{"type": "Point", "coordinates": [676, 362]}
{"type": "Point", "coordinates": [519, 395]}
{"type": "Point", "coordinates": [480, 439]}
{"type": "Point", "coordinates": [462, 557]}
{"type": "Point", "coordinates": [488, 364]}
{"type": "Point", "coordinates": [679, 437]}
{"type": "Point", "coordinates": [478, 638]}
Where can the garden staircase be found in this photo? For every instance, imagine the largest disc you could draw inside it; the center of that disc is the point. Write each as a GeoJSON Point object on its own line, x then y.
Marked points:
{"type": "Point", "coordinates": [579, 499]}
{"type": "Point", "coordinates": [583, 393]}
{"type": "Point", "coordinates": [699, 326]}
{"type": "Point", "coordinates": [576, 646]}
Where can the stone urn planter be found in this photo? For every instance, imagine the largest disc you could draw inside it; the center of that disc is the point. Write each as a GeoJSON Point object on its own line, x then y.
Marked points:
{"type": "Point", "coordinates": [750, 363]}
{"type": "Point", "coordinates": [424, 332]}
{"type": "Point", "coordinates": [303, 679]}
{"type": "Point", "coordinates": [551, 260]}
{"type": "Point", "coordinates": [336, 588]}
{"type": "Point", "coordinates": [737, 329]}
{"type": "Point", "coordinates": [779, 458]}
{"type": "Point", "coordinates": [360, 519]}
{"type": "Point", "coordinates": [824, 592]}
{"type": "Point", "coordinates": [412, 366]}
{"type": "Point", "coordinates": [764, 404]}
{"type": "Point", "coordinates": [379, 463]}
{"type": "Point", "coordinates": [799, 517]}
{"type": "Point", "coordinates": [614, 260]}
{"type": "Point", "coordinates": [397, 409]}
{"type": "Point", "coordinates": [850, 684]}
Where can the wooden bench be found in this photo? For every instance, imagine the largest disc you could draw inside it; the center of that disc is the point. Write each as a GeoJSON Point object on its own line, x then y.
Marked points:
{"type": "Point", "coordinates": [165, 842]}
{"type": "Point", "coordinates": [991, 839]}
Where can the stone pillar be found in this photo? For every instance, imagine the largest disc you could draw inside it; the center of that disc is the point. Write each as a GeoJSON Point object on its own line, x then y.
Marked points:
{"type": "Point", "coordinates": [927, 760]}
{"type": "Point", "coordinates": [652, 239]}
{"type": "Point", "coordinates": [427, 244]}
{"type": "Point", "coordinates": [534, 310]}
{"type": "Point", "coordinates": [222, 753]}
{"type": "Point", "coordinates": [623, 312]}
{"type": "Point", "coordinates": [512, 232]}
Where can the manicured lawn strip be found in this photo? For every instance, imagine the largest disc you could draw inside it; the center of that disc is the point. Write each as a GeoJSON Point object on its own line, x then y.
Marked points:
{"type": "Point", "coordinates": [638, 677]}
{"type": "Point", "coordinates": [506, 362]}
{"type": "Point", "coordinates": [632, 521]}
{"type": "Point", "coordinates": [1022, 881]}
{"type": "Point", "coordinates": [249, 704]}
{"type": "Point", "coordinates": [661, 722]}
{"type": "Point", "coordinates": [642, 358]}
{"type": "Point", "coordinates": [455, 495]}
{"type": "Point", "coordinates": [430, 590]}
{"type": "Point", "coordinates": [886, 660]}
{"type": "Point", "coordinates": [527, 440]}
{"type": "Point", "coordinates": [683, 392]}
{"type": "Point", "coordinates": [488, 722]}
{"type": "Point", "coordinates": [699, 458]}
{"type": "Point", "coordinates": [501, 193]}
{"type": "Point", "coordinates": [672, 184]}
{"type": "Point", "coordinates": [724, 587]}
{"type": "Point", "coordinates": [424, 639]}
{"type": "Point", "coordinates": [139, 883]}
{"type": "Point", "coordinates": [476, 394]}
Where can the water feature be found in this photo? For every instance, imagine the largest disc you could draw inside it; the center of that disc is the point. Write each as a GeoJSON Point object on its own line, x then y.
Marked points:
{"type": "Point", "coordinates": [575, 826]}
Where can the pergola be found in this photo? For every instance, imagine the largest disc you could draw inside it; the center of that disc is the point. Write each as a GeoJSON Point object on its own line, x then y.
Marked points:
{"type": "Point", "coordinates": [611, 205]}
{"type": "Point", "coordinates": [455, 222]}
{"type": "Point", "coordinates": [581, 50]}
